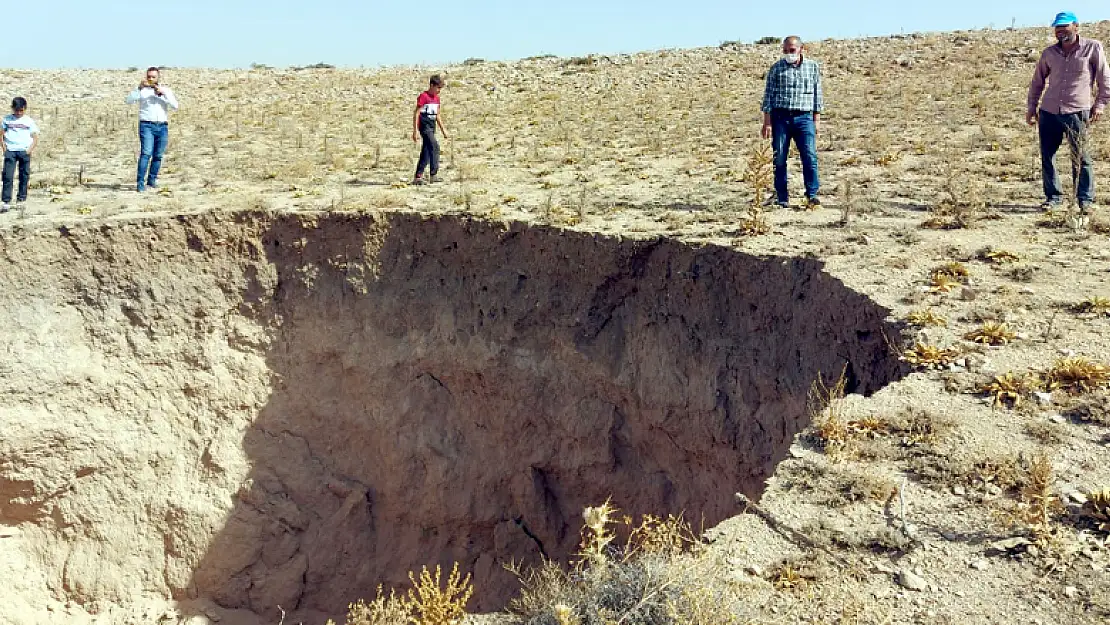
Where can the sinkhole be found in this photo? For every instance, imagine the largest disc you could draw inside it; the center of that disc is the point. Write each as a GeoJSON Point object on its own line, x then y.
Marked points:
{"type": "Point", "coordinates": [268, 409]}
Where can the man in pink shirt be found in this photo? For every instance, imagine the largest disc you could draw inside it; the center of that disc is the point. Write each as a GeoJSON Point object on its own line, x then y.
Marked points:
{"type": "Point", "coordinates": [1071, 68]}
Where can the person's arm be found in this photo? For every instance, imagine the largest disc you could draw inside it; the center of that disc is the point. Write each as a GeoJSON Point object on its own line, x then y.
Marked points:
{"type": "Point", "coordinates": [3, 146]}
{"type": "Point", "coordinates": [34, 138]}
{"type": "Point", "coordinates": [1036, 88]}
{"type": "Point", "coordinates": [439, 121]}
{"type": "Point", "coordinates": [416, 122]}
{"type": "Point", "coordinates": [818, 101]}
{"type": "Point", "coordinates": [766, 106]}
{"type": "Point", "coordinates": [167, 96]}
{"type": "Point", "coordinates": [135, 95]}
{"type": "Point", "coordinates": [1102, 78]}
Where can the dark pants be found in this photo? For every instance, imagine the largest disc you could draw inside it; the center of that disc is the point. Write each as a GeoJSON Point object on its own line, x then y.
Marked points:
{"type": "Point", "coordinates": [1053, 129]}
{"type": "Point", "coordinates": [429, 152]}
{"type": "Point", "coordinates": [153, 137]}
{"type": "Point", "coordinates": [11, 161]}
{"type": "Point", "coordinates": [796, 126]}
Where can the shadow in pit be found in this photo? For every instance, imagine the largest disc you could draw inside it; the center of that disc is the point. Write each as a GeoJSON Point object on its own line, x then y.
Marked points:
{"type": "Point", "coordinates": [447, 390]}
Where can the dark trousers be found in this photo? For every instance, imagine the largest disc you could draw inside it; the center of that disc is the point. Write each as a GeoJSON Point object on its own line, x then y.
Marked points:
{"type": "Point", "coordinates": [796, 126]}
{"type": "Point", "coordinates": [1052, 130]}
{"type": "Point", "coordinates": [429, 152]}
{"type": "Point", "coordinates": [12, 160]}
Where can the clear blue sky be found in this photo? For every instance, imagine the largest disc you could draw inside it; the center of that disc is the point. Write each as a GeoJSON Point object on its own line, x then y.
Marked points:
{"type": "Point", "coordinates": [235, 33]}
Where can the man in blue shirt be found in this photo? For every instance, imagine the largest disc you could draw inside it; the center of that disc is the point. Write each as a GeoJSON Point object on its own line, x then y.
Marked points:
{"type": "Point", "coordinates": [792, 105]}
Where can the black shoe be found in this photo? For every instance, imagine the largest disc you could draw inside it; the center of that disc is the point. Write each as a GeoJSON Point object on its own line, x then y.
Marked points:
{"type": "Point", "coordinates": [433, 179]}
{"type": "Point", "coordinates": [813, 203]}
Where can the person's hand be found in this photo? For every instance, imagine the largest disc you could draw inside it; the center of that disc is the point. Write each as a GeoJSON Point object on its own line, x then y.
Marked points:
{"type": "Point", "coordinates": [415, 136]}
{"type": "Point", "coordinates": [816, 127]}
{"type": "Point", "coordinates": [1096, 115]}
{"type": "Point", "coordinates": [445, 133]}
{"type": "Point", "coordinates": [766, 132]}
{"type": "Point", "coordinates": [1031, 118]}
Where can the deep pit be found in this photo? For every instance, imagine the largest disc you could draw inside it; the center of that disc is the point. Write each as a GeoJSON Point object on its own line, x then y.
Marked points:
{"type": "Point", "coordinates": [269, 410]}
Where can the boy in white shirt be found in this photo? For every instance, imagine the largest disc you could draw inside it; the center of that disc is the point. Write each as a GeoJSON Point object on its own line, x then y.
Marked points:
{"type": "Point", "coordinates": [19, 134]}
{"type": "Point", "coordinates": [155, 101]}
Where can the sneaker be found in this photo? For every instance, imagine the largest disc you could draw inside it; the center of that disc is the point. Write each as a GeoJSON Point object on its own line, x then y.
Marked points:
{"type": "Point", "coordinates": [5, 207]}
{"type": "Point", "coordinates": [417, 181]}
{"type": "Point", "coordinates": [433, 179]}
{"type": "Point", "coordinates": [813, 203]}
{"type": "Point", "coordinates": [1051, 205]}
{"type": "Point", "coordinates": [1085, 207]}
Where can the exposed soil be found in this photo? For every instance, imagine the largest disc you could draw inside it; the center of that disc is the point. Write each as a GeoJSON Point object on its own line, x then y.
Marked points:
{"type": "Point", "coordinates": [286, 410]}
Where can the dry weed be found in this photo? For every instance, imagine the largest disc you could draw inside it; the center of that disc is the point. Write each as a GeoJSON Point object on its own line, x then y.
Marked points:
{"type": "Point", "coordinates": [1077, 375]}
{"type": "Point", "coordinates": [1038, 503]}
{"type": "Point", "coordinates": [432, 604]}
{"type": "Point", "coordinates": [1093, 305]}
{"type": "Point", "coordinates": [1096, 510]}
{"type": "Point", "coordinates": [991, 333]}
{"type": "Point", "coordinates": [926, 318]}
{"type": "Point", "coordinates": [943, 283]}
{"type": "Point", "coordinates": [998, 257]}
{"type": "Point", "coordinates": [929, 356]}
{"type": "Point", "coordinates": [383, 610]}
{"type": "Point", "coordinates": [826, 410]}
{"type": "Point", "coordinates": [955, 270]}
{"type": "Point", "coordinates": [662, 576]}
{"type": "Point", "coordinates": [1010, 389]}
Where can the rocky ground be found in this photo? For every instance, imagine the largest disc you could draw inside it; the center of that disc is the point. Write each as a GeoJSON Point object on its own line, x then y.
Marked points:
{"type": "Point", "coordinates": [934, 501]}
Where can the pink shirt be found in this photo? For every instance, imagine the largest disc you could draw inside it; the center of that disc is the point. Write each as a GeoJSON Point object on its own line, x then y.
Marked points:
{"type": "Point", "coordinates": [1071, 78]}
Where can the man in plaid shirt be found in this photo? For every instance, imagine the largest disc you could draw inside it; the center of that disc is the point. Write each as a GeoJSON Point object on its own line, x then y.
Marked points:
{"type": "Point", "coordinates": [792, 104]}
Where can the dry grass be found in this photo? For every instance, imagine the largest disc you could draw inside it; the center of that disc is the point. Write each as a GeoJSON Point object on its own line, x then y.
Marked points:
{"type": "Point", "coordinates": [929, 356]}
{"type": "Point", "coordinates": [1094, 305]}
{"type": "Point", "coordinates": [826, 410]}
{"type": "Point", "coordinates": [1010, 389]}
{"type": "Point", "coordinates": [662, 575]}
{"type": "Point", "coordinates": [991, 333]}
{"type": "Point", "coordinates": [926, 318]}
{"type": "Point", "coordinates": [997, 256]}
{"type": "Point", "coordinates": [428, 602]}
{"type": "Point", "coordinates": [1077, 375]}
{"type": "Point", "coordinates": [943, 283]}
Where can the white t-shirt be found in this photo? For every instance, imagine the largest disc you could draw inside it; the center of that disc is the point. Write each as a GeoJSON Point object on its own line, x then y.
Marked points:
{"type": "Point", "coordinates": [19, 132]}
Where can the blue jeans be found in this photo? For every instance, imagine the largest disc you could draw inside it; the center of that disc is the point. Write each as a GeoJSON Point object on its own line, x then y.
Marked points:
{"type": "Point", "coordinates": [153, 137]}
{"type": "Point", "coordinates": [796, 126]}
{"type": "Point", "coordinates": [1052, 130]}
{"type": "Point", "coordinates": [12, 161]}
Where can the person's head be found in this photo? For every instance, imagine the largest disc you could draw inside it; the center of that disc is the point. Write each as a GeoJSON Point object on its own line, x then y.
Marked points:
{"type": "Point", "coordinates": [19, 106]}
{"type": "Point", "coordinates": [792, 48]}
{"type": "Point", "coordinates": [1066, 27]}
{"type": "Point", "coordinates": [435, 83]}
{"type": "Point", "coordinates": [153, 75]}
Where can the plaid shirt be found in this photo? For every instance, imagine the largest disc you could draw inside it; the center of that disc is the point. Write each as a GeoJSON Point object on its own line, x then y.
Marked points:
{"type": "Point", "coordinates": [794, 87]}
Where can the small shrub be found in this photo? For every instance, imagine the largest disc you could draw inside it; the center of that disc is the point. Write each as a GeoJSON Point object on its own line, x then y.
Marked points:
{"type": "Point", "coordinates": [991, 333]}
{"type": "Point", "coordinates": [433, 605]}
{"type": "Point", "coordinates": [926, 318]}
{"type": "Point", "coordinates": [1077, 375]}
{"type": "Point", "coordinates": [929, 356]}
{"type": "Point", "coordinates": [1010, 389]}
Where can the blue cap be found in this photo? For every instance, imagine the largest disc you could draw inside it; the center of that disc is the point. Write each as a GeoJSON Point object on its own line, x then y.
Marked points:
{"type": "Point", "coordinates": [1063, 19]}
